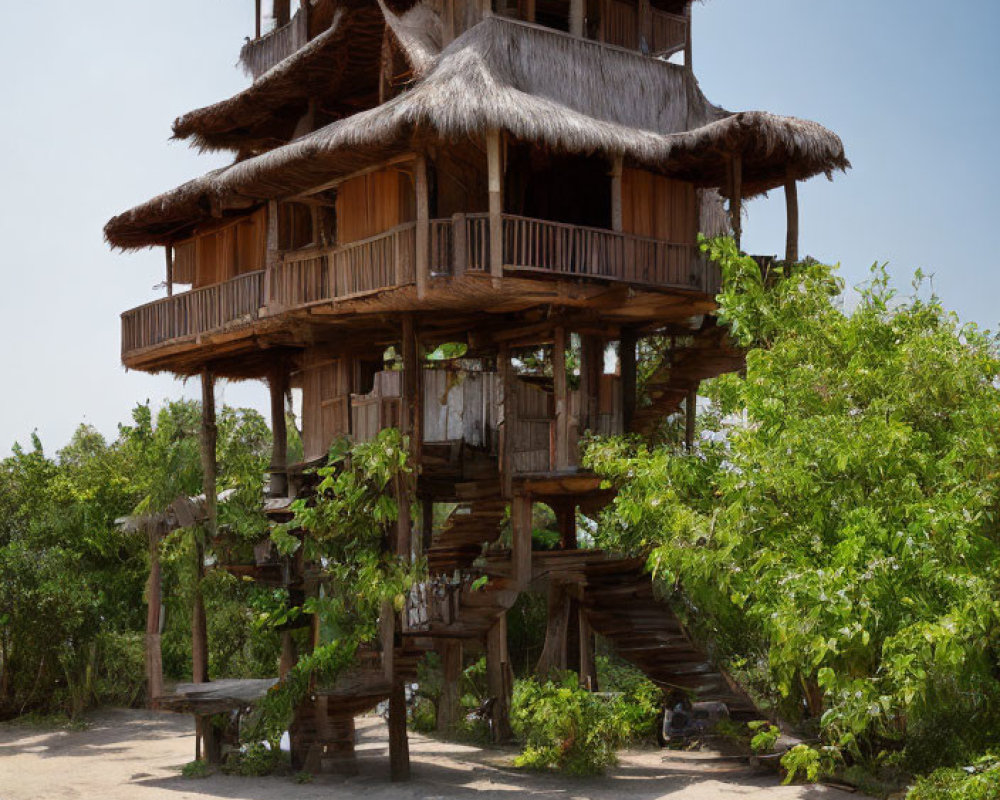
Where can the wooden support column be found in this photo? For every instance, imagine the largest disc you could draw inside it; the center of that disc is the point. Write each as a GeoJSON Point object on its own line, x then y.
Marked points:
{"type": "Point", "coordinates": [499, 680]}
{"type": "Point", "coordinates": [566, 519]}
{"type": "Point", "coordinates": [690, 418]}
{"type": "Point", "coordinates": [688, 48]}
{"type": "Point", "coordinates": [257, 15]}
{"type": "Point", "coordinates": [449, 709]}
{"type": "Point", "coordinates": [426, 524]}
{"type": "Point", "coordinates": [169, 250]}
{"type": "Point", "coordinates": [588, 664]}
{"type": "Point", "coordinates": [410, 425]}
{"type": "Point", "coordinates": [736, 196]}
{"type": "Point", "coordinates": [645, 26]}
{"type": "Point", "coordinates": [288, 655]}
{"type": "Point", "coordinates": [278, 385]}
{"type": "Point", "coordinates": [626, 365]}
{"type": "Point", "coordinates": [399, 745]}
{"type": "Point", "coordinates": [529, 10]}
{"type": "Point", "coordinates": [154, 608]}
{"type": "Point", "coordinates": [459, 245]}
{"type": "Point", "coordinates": [561, 392]}
{"type": "Point", "coordinates": [282, 12]}
{"type": "Point", "coordinates": [553, 655]}
{"type": "Point", "coordinates": [616, 193]}
{"type": "Point", "coordinates": [494, 169]}
{"type": "Point", "coordinates": [199, 627]}
{"type": "Point", "coordinates": [509, 414]}
{"type": "Point", "coordinates": [423, 232]}
{"type": "Point", "coordinates": [591, 369]}
{"type": "Point", "coordinates": [272, 255]}
{"type": "Point", "coordinates": [520, 545]}
{"type": "Point", "coordinates": [792, 213]}
{"type": "Point", "coordinates": [447, 23]}
{"type": "Point", "coordinates": [576, 17]}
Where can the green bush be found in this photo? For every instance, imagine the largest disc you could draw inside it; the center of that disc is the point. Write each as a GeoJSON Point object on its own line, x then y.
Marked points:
{"type": "Point", "coordinates": [980, 782]}
{"type": "Point", "coordinates": [565, 727]}
{"type": "Point", "coordinates": [255, 760]}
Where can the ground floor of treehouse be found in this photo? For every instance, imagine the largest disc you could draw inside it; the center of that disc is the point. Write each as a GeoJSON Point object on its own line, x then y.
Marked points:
{"type": "Point", "coordinates": [138, 755]}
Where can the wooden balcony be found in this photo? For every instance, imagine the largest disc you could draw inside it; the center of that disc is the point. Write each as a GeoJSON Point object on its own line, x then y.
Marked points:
{"type": "Point", "coordinates": [261, 54]}
{"type": "Point", "coordinates": [663, 35]}
{"type": "Point", "coordinates": [456, 247]}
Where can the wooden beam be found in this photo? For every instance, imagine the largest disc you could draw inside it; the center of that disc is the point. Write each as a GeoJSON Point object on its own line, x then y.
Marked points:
{"type": "Point", "coordinates": [688, 49]}
{"type": "Point", "coordinates": [561, 391]}
{"type": "Point", "coordinates": [792, 214]}
{"type": "Point", "coordinates": [499, 679]}
{"type": "Point", "coordinates": [736, 196]}
{"type": "Point", "coordinates": [520, 545]}
{"type": "Point", "coordinates": [576, 17]}
{"type": "Point", "coordinates": [690, 418]}
{"type": "Point", "coordinates": [449, 710]}
{"type": "Point", "coordinates": [154, 606]}
{"type": "Point", "coordinates": [494, 169]}
{"type": "Point", "coordinates": [423, 232]}
{"type": "Point", "coordinates": [626, 361]}
{"type": "Point", "coordinates": [278, 385]}
{"type": "Point", "coordinates": [616, 193]}
{"type": "Point", "coordinates": [399, 745]}
{"type": "Point", "coordinates": [169, 250]}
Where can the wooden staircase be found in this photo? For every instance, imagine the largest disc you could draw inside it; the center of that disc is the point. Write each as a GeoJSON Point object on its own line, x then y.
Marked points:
{"type": "Point", "coordinates": [710, 354]}
{"type": "Point", "coordinates": [619, 602]}
{"type": "Point", "coordinates": [475, 522]}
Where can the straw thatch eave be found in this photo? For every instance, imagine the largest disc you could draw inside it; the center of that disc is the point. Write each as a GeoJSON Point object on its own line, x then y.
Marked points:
{"type": "Point", "coordinates": [338, 70]}
{"type": "Point", "coordinates": [537, 85]}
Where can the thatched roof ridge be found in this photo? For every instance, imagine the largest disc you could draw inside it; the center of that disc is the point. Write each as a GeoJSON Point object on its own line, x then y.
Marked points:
{"type": "Point", "coordinates": [537, 85]}
{"type": "Point", "coordinates": [418, 32]}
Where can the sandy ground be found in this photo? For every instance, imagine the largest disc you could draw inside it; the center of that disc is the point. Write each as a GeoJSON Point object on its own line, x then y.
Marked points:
{"type": "Point", "coordinates": [138, 755]}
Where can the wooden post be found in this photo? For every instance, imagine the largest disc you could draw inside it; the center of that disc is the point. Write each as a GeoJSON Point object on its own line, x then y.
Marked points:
{"type": "Point", "coordinates": [272, 255]}
{"type": "Point", "coordinates": [399, 745]}
{"type": "Point", "coordinates": [288, 654]}
{"type": "Point", "coordinates": [520, 546]}
{"type": "Point", "coordinates": [626, 366]}
{"type": "Point", "coordinates": [645, 26]}
{"type": "Point", "coordinates": [588, 666]}
{"type": "Point", "coordinates": [560, 390]}
{"type": "Point", "coordinates": [169, 250]}
{"type": "Point", "coordinates": [199, 627]}
{"type": "Point", "coordinates": [410, 425]}
{"type": "Point", "coordinates": [576, 16]}
{"type": "Point", "coordinates": [426, 524]}
{"type": "Point", "coordinates": [591, 369]}
{"type": "Point", "coordinates": [278, 385]}
{"type": "Point", "coordinates": [282, 10]}
{"type": "Point", "coordinates": [792, 213]}
{"type": "Point", "coordinates": [529, 10]}
{"type": "Point", "coordinates": [688, 48]}
{"type": "Point", "coordinates": [459, 246]}
{"type": "Point", "coordinates": [690, 418]}
{"type": "Point", "coordinates": [154, 606]}
{"type": "Point", "coordinates": [616, 193]}
{"type": "Point", "coordinates": [495, 174]}
{"type": "Point", "coordinates": [423, 233]}
{"type": "Point", "coordinates": [258, 10]}
{"type": "Point", "coordinates": [553, 655]}
{"type": "Point", "coordinates": [449, 705]}
{"type": "Point", "coordinates": [509, 412]}
{"type": "Point", "coordinates": [736, 196]}
{"type": "Point", "coordinates": [566, 519]}
{"type": "Point", "coordinates": [499, 679]}
{"type": "Point", "coordinates": [447, 22]}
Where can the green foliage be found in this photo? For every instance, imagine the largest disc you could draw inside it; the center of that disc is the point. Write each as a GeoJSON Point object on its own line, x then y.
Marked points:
{"type": "Point", "coordinates": [345, 528]}
{"type": "Point", "coordinates": [256, 760]}
{"type": "Point", "coordinates": [837, 528]}
{"type": "Point", "coordinates": [565, 727]}
{"type": "Point", "coordinates": [978, 782]}
{"type": "Point", "coordinates": [765, 735]}
{"type": "Point", "coordinates": [196, 769]}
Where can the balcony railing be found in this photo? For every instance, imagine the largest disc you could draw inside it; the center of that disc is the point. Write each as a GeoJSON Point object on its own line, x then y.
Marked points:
{"type": "Point", "coordinates": [456, 246]}
{"type": "Point", "coordinates": [193, 313]}
{"type": "Point", "coordinates": [259, 55]}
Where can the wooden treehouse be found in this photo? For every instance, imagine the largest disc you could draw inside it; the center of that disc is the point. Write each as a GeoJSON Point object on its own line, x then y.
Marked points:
{"type": "Point", "coordinates": [516, 176]}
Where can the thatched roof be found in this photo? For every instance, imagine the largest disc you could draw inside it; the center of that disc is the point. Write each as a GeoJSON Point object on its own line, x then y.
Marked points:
{"type": "Point", "coordinates": [338, 69]}
{"type": "Point", "coordinates": [538, 85]}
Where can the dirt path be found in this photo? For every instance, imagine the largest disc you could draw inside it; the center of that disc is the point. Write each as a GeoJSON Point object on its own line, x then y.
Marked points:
{"type": "Point", "coordinates": [135, 755]}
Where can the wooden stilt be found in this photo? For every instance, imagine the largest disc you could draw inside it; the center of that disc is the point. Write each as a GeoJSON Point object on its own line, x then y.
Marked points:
{"type": "Point", "coordinates": [409, 422]}
{"type": "Point", "coordinates": [520, 547]}
{"type": "Point", "coordinates": [499, 680]}
{"type": "Point", "coordinates": [736, 196]}
{"type": "Point", "coordinates": [199, 627]}
{"type": "Point", "coordinates": [626, 360]}
{"type": "Point", "coordinates": [588, 666]}
{"type": "Point", "coordinates": [278, 385]}
{"type": "Point", "coordinates": [399, 745]}
{"type": "Point", "coordinates": [154, 605]}
{"type": "Point", "coordinates": [553, 655]}
{"type": "Point", "coordinates": [792, 214]}
{"type": "Point", "coordinates": [449, 705]}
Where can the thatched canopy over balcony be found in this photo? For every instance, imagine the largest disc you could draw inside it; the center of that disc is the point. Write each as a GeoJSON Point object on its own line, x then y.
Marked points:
{"type": "Point", "coordinates": [537, 85]}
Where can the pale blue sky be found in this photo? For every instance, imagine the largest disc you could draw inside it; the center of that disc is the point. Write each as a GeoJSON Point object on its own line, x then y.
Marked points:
{"type": "Point", "coordinates": [90, 90]}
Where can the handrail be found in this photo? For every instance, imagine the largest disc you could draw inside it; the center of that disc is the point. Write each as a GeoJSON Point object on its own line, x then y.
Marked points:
{"type": "Point", "coordinates": [260, 55]}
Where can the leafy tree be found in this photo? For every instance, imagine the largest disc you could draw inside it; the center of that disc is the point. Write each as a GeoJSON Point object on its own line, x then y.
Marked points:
{"type": "Point", "coordinates": [835, 532]}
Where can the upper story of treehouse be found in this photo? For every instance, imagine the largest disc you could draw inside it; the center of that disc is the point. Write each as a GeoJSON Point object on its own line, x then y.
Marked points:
{"type": "Point", "coordinates": [453, 160]}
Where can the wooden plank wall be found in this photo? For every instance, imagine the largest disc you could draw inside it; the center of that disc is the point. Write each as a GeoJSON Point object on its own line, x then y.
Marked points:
{"type": "Point", "coordinates": [326, 395]}
{"type": "Point", "coordinates": [223, 252]}
{"type": "Point", "coordinates": [460, 405]}
{"type": "Point", "coordinates": [659, 207]}
{"type": "Point", "coordinates": [374, 202]}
